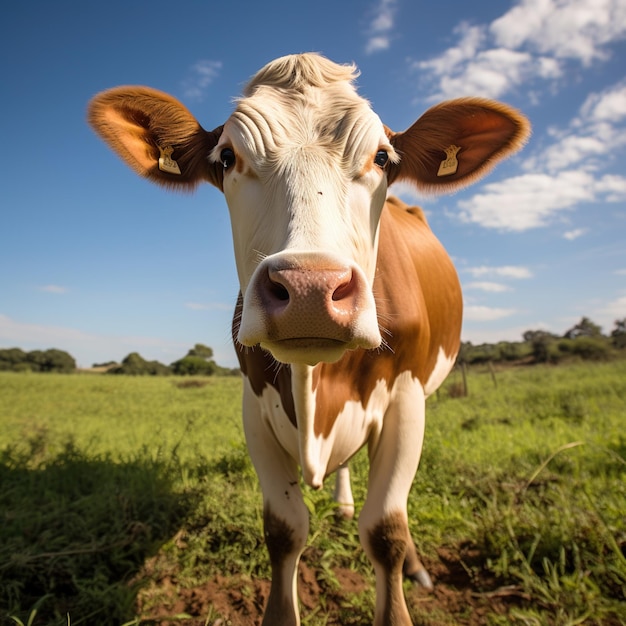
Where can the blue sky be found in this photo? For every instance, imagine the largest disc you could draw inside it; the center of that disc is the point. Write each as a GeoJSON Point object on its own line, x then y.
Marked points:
{"type": "Point", "coordinates": [99, 262]}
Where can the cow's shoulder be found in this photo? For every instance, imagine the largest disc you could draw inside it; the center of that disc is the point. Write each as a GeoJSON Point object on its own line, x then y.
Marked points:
{"type": "Point", "coordinates": [395, 204]}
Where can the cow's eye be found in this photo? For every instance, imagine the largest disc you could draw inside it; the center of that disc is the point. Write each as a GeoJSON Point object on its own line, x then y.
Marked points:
{"type": "Point", "coordinates": [381, 159]}
{"type": "Point", "coordinates": [227, 157]}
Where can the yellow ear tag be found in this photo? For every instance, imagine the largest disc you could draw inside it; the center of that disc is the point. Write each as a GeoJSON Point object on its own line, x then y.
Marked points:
{"type": "Point", "coordinates": [450, 165]}
{"type": "Point", "coordinates": [166, 162]}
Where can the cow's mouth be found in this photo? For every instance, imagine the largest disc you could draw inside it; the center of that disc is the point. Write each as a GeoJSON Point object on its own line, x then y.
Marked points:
{"type": "Point", "coordinates": [308, 350]}
{"type": "Point", "coordinates": [313, 343]}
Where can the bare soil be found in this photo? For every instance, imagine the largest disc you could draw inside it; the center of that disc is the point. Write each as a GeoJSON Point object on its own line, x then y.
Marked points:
{"type": "Point", "coordinates": [462, 596]}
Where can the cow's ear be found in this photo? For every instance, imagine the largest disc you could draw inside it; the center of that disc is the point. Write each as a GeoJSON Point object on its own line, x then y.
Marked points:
{"type": "Point", "coordinates": [156, 135]}
{"type": "Point", "coordinates": [457, 142]}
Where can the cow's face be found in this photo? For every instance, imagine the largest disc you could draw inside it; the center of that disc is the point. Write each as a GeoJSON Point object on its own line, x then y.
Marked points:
{"type": "Point", "coordinates": [304, 178]}
{"type": "Point", "coordinates": [304, 164]}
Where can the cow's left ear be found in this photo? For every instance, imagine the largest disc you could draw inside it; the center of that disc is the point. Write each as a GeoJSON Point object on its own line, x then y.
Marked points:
{"type": "Point", "coordinates": [457, 142]}
{"type": "Point", "coordinates": [156, 135]}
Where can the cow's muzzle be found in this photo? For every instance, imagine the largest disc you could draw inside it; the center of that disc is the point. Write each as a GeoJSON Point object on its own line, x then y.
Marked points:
{"type": "Point", "coordinates": [308, 308]}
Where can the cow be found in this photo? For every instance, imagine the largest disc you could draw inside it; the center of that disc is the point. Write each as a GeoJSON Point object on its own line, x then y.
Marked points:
{"type": "Point", "coordinates": [349, 310]}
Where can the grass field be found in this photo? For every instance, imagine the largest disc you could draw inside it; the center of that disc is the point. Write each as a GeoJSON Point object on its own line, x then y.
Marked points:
{"type": "Point", "coordinates": [132, 501]}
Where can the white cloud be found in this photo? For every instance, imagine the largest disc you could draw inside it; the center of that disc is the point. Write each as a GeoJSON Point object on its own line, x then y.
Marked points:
{"type": "Point", "coordinates": [534, 200]}
{"type": "Point", "coordinates": [487, 286]}
{"type": "Point", "coordinates": [614, 186]}
{"type": "Point", "coordinates": [570, 235]}
{"type": "Point", "coordinates": [471, 39]}
{"type": "Point", "coordinates": [571, 150]}
{"type": "Point", "coordinates": [475, 313]}
{"type": "Point", "coordinates": [199, 76]}
{"type": "Point", "coordinates": [489, 74]}
{"type": "Point", "coordinates": [381, 26]}
{"type": "Point", "coordinates": [616, 308]}
{"type": "Point", "coordinates": [606, 106]}
{"type": "Point", "coordinates": [607, 313]}
{"type": "Point", "coordinates": [54, 289]}
{"type": "Point", "coordinates": [562, 175]}
{"type": "Point", "coordinates": [509, 271]}
{"type": "Point", "coordinates": [574, 29]}
{"type": "Point", "coordinates": [531, 42]}
{"type": "Point", "coordinates": [621, 272]}
{"type": "Point", "coordinates": [591, 138]}
{"type": "Point", "coordinates": [532, 46]}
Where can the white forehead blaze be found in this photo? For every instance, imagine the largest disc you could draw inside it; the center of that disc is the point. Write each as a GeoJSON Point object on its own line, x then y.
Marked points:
{"type": "Point", "coordinates": [304, 176]}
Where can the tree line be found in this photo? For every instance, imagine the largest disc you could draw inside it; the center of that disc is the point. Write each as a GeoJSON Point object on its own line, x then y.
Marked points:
{"type": "Point", "coordinates": [584, 340]}
{"type": "Point", "coordinates": [53, 360]}
{"type": "Point", "coordinates": [197, 362]}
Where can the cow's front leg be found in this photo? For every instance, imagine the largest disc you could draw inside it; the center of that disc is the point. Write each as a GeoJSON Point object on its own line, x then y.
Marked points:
{"type": "Point", "coordinates": [285, 516]}
{"type": "Point", "coordinates": [383, 526]}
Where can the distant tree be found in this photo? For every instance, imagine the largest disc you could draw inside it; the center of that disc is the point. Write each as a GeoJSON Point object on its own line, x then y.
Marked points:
{"type": "Point", "coordinates": [105, 364]}
{"type": "Point", "coordinates": [592, 348]}
{"type": "Point", "coordinates": [10, 357]}
{"type": "Point", "coordinates": [511, 350]}
{"type": "Point", "coordinates": [541, 344]}
{"type": "Point", "coordinates": [54, 360]}
{"type": "Point", "coordinates": [475, 355]}
{"type": "Point", "coordinates": [464, 350]}
{"type": "Point", "coordinates": [618, 334]}
{"type": "Point", "coordinates": [51, 360]}
{"type": "Point", "coordinates": [584, 328]}
{"type": "Point", "coordinates": [194, 366]}
{"type": "Point", "coordinates": [36, 360]}
{"type": "Point", "coordinates": [135, 365]}
{"type": "Point", "coordinates": [202, 351]}
{"type": "Point", "coordinates": [199, 362]}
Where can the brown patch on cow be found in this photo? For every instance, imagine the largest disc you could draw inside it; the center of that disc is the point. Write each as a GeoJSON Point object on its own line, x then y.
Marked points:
{"type": "Point", "coordinates": [388, 542]}
{"type": "Point", "coordinates": [280, 545]}
{"type": "Point", "coordinates": [278, 537]}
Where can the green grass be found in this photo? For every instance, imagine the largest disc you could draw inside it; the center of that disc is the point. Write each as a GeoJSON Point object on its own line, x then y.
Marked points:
{"type": "Point", "coordinates": [122, 497]}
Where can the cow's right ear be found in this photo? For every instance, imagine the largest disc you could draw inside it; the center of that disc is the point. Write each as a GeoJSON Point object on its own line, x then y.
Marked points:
{"type": "Point", "coordinates": [157, 136]}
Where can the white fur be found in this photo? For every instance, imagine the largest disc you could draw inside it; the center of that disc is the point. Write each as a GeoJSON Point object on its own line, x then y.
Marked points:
{"type": "Point", "coordinates": [442, 368]}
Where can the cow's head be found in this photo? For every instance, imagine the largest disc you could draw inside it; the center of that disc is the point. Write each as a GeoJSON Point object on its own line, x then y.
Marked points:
{"type": "Point", "coordinates": [304, 164]}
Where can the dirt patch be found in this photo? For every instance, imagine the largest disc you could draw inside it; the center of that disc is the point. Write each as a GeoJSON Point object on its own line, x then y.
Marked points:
{"type": "Point", "coordinates": [239, 600]}
{"type": "Point", "coordinates": [464, 595]}
{"type": "Point", "coordinates": [194, 383]}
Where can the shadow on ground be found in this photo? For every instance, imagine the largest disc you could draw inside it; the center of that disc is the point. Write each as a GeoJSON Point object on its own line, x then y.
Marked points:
{"type": "Point", "coordinates": [75, 530]}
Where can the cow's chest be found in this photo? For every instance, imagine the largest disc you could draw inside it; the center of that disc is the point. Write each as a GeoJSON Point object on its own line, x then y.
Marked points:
{"type": "Point", "coordinates": [336, 434]}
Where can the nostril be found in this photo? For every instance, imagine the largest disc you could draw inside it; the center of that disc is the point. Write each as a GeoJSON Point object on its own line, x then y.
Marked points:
{"type": "Point", "coordinates": [278, 291]}
{"type": "Point", "coordinates": [345, 290]}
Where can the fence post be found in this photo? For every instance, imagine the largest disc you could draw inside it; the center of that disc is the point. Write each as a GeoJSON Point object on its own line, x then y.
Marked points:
{"type": "Point", "coordinates": [464, 373]}
{"type": "Point", "coordinates": [493, 375]}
